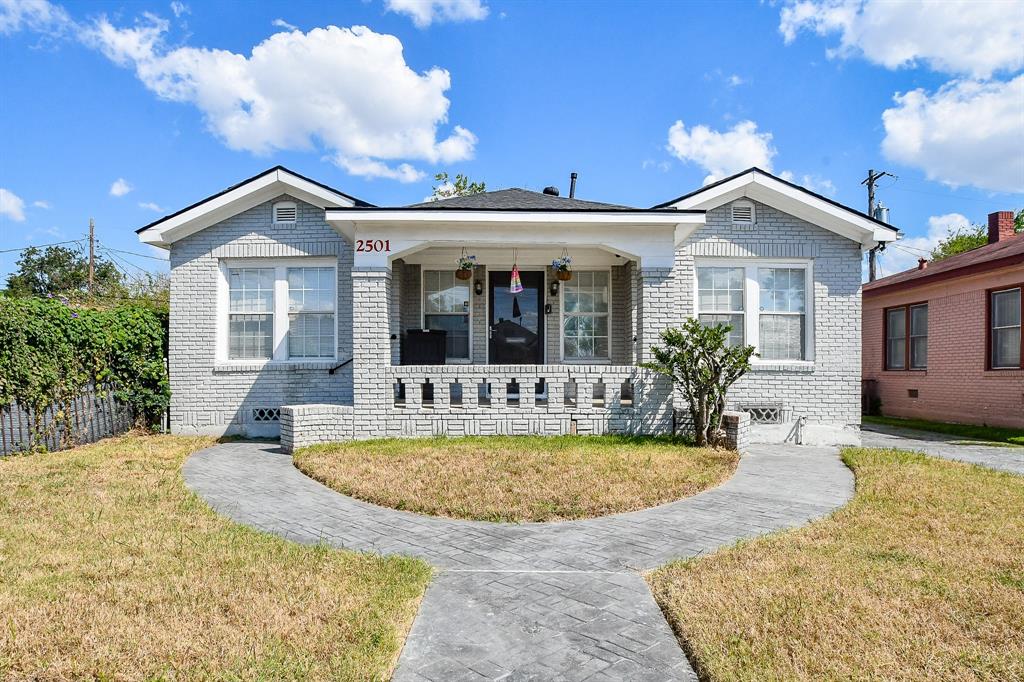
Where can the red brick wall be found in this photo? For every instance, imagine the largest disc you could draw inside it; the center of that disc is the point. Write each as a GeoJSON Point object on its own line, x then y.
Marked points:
{"type": "Point", "coordinates": [956, 387]}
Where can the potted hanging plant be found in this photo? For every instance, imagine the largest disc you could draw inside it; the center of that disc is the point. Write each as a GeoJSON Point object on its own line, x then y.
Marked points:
{"type": "Point", "coordinates": [563, 268]}
{"type": "Point", "coordinates": [465, 267]}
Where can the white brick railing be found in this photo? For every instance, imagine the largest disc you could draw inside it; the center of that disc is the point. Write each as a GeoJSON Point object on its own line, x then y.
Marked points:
{"type": "Point", "coordinates": [572, 389]}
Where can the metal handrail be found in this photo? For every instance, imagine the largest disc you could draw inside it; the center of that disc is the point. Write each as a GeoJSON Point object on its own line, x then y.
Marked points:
{"type": "Point", "coordinates": [334, 369]}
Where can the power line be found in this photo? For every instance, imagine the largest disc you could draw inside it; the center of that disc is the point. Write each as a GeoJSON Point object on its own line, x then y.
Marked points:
{"type": "Point", "coordinates": [43, 246]}
{"type": "Point", "coordinates": [140, 255]}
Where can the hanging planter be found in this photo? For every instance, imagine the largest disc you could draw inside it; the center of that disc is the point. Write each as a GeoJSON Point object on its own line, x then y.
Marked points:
{"type": "Point", "coordinates": [563, 267]}
{"type": "Point", "coordinates": [465, 267]}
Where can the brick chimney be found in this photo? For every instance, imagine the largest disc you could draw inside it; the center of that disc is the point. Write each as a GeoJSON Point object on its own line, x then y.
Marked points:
{"type": "Point", "coordinates": [1000, 226]}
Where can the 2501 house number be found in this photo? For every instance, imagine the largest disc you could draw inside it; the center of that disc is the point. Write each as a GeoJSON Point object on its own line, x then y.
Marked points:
{"type": "Point", "coordinates": [373, 245]}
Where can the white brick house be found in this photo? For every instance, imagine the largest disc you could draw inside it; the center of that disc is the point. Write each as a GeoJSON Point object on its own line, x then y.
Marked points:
{"type": "Point", "coordinates": [298, 309]}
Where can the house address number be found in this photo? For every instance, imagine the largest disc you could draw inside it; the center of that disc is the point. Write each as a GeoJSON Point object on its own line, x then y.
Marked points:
{"type": "Point", "coordinates": [373, 245]}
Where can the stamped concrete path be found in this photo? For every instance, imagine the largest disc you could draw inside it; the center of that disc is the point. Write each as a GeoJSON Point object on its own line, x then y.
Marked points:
{"type": "Point", "coordinates": [1008, 458]}
{"type": "Point", "coordinates": [535, 600]}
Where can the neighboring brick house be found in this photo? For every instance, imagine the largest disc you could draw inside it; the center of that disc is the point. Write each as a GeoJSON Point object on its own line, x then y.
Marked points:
{"type": "Point", "coordinates": [943, 341]}
{"type": "Point", "coordinates": [298, 309]}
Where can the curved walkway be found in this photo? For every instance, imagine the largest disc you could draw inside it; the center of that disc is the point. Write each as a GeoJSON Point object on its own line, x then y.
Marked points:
{"type": "Point", "coordinates": [543, 600]}
{"type": "Point", "coordinates": [1009, 458]}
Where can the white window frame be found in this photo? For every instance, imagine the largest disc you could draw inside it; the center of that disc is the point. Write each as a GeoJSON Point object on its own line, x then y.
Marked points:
{"type": "Point", "coordinates": [469, 315]}
{"type": "Point", "coordinates": [279, 342]}
{"type": "Point", "coordinates": [561, 323]}
{"type": "Point", "coordinates": [745, 203]}
{"type": "Point", "coordinates": [287, 204]}
{"type": "Point", "coordinates": [752, 300]}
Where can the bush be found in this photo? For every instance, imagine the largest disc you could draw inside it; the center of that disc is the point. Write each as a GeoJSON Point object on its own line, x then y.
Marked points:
{"type": "Point", "coordinates": [50, 352]}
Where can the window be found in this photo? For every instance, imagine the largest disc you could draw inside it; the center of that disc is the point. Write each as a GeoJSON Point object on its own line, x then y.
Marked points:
{"type": "Point", "coordinates": [906, 337]}
{"type": "Point", "coordinates": [1005, 328]}
{"type": "Point", "coordinates": [781, 327]}
{"type": "Point", "coordinates": [585, 301]}
{"type": "Point", "coordinates": [311, 312]}
{"type": "Point", "coordinates": [251, 313]}
{"type": "Point", "coordinates": [720, 299]}
{"type": "Point", "coordinates": [283, 310]}
{"type": "Point", "coordinates": [743, 212]}
{"type": "Point", "coordinates": [285, 212]}
{"type": "Point", "coordinates": [766, 305]}
{"type": "Point", "coordinates": [446, 306]}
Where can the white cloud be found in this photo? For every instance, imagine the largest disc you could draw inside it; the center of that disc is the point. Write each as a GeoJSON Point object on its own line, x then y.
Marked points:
{"type": "Point", "coordinates": [735, 80]}
{"type": "Point", "coordinates": [814, 183]}
{"type": "Point", "coordinates": [972, 37]}
{"type": "Point", "coordinates": [150, 206]}
{"type": "Point", "coordinates": [722, 153]}
{"type": "Point", "coordinates": [180, 8]}
{"type": "Point", "coordinates": [32, 15]}
{"type": "Point", "coordinates": [120, 187]}
{"type": "Point", "coordinates": [663, 166]}
{"type": "Point", "coordinates": [966, 133]}
{"type": "Point", "coordinates": [903, 254]}
{"type": "Point", "coordinates": [348, 91]}
{"type": "Point", "coordinates": [11, 205]}
{"type": "Point", "coordinates": [281, 23]}
{"type": "Point", "coordinates": [425, 12]}
{"type": "Point", "coordinates": [42, 204]}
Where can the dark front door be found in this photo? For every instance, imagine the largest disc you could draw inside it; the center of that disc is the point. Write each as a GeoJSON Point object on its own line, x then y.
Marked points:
{"type": "Point", "coordinates": [516, 327]}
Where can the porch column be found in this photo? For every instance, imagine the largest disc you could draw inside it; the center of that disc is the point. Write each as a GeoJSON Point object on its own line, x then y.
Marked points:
{"type": "Point", "coordinates": [371, 346]}
{"type": "Point", "coordinates": [657, 309]}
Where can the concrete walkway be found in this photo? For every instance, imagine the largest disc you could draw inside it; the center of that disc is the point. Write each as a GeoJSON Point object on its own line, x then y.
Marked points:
{"type": "Point", "coordinates": [1010, 459]}
{"type": "Point", "coordinates": [535, 600]}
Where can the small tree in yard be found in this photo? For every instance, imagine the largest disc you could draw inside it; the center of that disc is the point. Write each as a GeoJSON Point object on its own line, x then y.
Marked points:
{"type": "Point", "coordinates": [703, 365]}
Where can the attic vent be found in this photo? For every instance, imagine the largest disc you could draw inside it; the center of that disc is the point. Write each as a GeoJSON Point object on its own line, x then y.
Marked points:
{"type": "Point", "coordinates": [285, 212]}
{"type": "Point", "coordinates": [743, 213]}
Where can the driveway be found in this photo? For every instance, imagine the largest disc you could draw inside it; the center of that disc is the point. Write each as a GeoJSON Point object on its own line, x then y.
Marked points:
{"type": "Point", "coordinates": [535, 600]}
{"type": "Point", "coordinates": [1010, 459]}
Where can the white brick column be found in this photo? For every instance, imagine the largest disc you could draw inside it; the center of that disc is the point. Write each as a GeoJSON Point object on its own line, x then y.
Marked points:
{"type": "Point", "coordinates": [371, 345]}
{"type": "Point", "coordinates": [657, 309]}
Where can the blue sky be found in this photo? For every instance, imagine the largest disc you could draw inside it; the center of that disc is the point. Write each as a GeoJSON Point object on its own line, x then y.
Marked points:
{"type": "Point", "coordinates": [172, 100]}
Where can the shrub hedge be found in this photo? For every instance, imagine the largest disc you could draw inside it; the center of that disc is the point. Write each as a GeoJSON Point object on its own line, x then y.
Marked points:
{"type": "Point", "coordinates": [50, 351]}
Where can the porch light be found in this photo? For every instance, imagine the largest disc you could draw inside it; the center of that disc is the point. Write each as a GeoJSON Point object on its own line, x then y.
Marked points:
{"type": "Point", "coordinates": [553, 289]}
{"type": "Point", "coordinates": [478, 288]}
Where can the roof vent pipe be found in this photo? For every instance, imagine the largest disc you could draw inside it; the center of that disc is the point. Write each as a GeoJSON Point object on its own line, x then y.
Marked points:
{"type": "Point", "coordinates": [551, 191]}
{"type": "Point", "coordinates": [572, 184]}
{"type": "Point", "coordinates": [922, 263]}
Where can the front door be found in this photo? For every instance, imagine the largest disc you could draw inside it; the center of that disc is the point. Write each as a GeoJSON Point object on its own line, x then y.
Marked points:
{"type": "Point", "coordinates": [516, 327]}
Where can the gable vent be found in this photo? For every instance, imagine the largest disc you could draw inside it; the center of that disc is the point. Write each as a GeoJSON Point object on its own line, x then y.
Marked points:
{"type": "Point", "coordinates": [285, 212]}
{"type": "Point", "coordinates": [743, 212]}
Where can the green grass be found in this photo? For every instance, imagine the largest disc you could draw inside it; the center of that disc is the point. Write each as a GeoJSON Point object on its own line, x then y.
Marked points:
{"type": "Point", "coordinates": [111, 569]}
{"type": "Point", "coordinates": [919, 577]}
{"type": "Point", "coordinates": [518, 478]}
{"type": "Point", "coordinates": [991, 434]}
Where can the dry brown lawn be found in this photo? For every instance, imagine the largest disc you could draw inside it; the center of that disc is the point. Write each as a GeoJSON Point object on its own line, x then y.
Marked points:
{"type": "Point", "coordinates": [920, 577]}
{"type": "Point", "coordinates": [518, 478]}
{"type": "Point", "coordinates": [110, 569]}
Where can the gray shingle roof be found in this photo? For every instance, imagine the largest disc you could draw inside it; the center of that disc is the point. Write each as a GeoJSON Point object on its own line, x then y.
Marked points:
{"type": "Point", "coordinates": [520, 199]}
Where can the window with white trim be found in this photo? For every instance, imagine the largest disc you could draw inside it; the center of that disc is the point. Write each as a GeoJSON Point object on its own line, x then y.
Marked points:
{"type": "Point", "coordinates": [285, 212]}
{"type": "Point", "coordinates": [743, 213]}
{"type": "Point", "coordinates": [311, 312]}
{"type": "Point", "coordinates": [585, 323]}
{"type": "Point", "coordinates": [284, 310]}
{"type": "Point", "coordinates": [251, 313]}
{"type": "Point", "coordinates": [720, 300]}
{"type": "Point", "coordinates": [766, 304]}
{"type": "Point", "coordinates": [446, 307]}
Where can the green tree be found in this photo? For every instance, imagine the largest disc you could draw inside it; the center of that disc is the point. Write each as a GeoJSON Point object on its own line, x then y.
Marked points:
{"type": "Point", "coordinates": [460, 187]}
{"type": "Point", "coordinates": [703, 366]}
{"type": "Point", "coordinates": [58, 270]}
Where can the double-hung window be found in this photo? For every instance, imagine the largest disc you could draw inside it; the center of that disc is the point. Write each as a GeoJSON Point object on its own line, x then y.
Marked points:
{"type": "Point", "coordinates": [280, 311]}
{"type": "Point", "coordinates": [906, 337]}
{"type": "Point", "coordinates": [446, 306]}
{"type": "Point", "coordinates": [585, 303]}
{"type": "Point", "coordinates": [251, 313]}
{"type": "Point", "coordinates": [766, 304]}
{"type": "Point", "coordinates": [720, 293]}
{"type": "Point", "coordinates": [311, 312]}
{"type": "Point", "coordinates": [1005, 314]}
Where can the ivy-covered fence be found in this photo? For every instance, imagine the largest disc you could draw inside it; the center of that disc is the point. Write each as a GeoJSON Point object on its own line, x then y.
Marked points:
{"type": "Point", "coordinates": [56, 357]}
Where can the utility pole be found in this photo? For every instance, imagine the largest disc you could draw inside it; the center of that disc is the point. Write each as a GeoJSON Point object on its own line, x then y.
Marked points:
{"type": "Point", "coordinates": [870, 181]}
{"type": "Point", "coordinates": [92, 253]}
